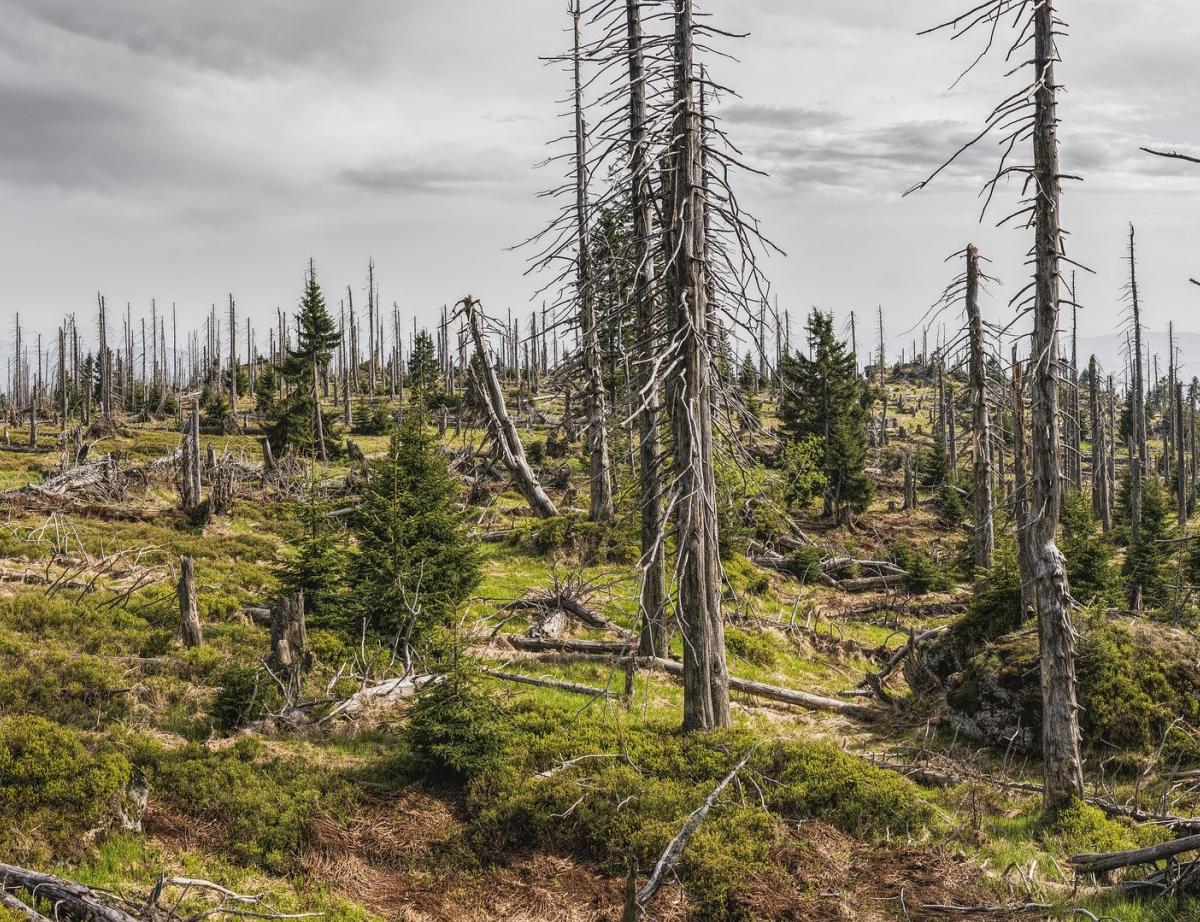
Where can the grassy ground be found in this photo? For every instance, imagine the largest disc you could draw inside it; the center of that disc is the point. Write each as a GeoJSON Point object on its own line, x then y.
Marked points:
{"type": "Point", "coordinates": [335, 820]}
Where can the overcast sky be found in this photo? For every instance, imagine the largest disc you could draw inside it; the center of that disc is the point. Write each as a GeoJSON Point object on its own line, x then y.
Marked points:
{"type": "Point", "coordinates": [181, 150]}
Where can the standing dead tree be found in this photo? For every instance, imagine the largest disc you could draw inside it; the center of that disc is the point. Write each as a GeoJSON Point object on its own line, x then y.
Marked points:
{"type": "Point", "coordinates": [190, 631]}
{"type": "Point", "coordinates": [652, 596]}
{"type": "Point", "coordinates": [1100, 476]}
{"type": "Point", "coordinates": [1031, 115]}
{"type": "Point", "coordinates": [499, 423]}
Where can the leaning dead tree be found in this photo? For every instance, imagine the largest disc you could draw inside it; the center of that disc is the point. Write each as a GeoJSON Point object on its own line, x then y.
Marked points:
{"type": "Point", "coordinates": [1031, 116]}
{"type": "Point", "coordinates": [499, 423]}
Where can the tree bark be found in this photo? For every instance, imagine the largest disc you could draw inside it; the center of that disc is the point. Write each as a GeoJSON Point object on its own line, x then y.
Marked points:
{"type": "Point", "coordinates": [1021, 489]}
{"type": "Point", "coordinates": [981, 435]}
{"type": "Point", "coordinates": [705, 675]}
{"type": "Point", "coordinates": [190, 631]}
{"type": "Point", "coordinates": [1062, 765]}
{"type": "Point", "coordinates": [1100, 505]}
{"type": "Point", "coordinates": [599, 463]}
{"type": "Point", "coordinates": [289, 638]}
{"type": "Point", "coordinates": [1180, 466]}
{"type": "Point", "coordinates": [652, 597]}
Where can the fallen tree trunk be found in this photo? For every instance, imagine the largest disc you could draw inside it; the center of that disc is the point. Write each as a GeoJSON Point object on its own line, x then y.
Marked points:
{"type": "Point", "coordinates": [67, 897]}
{"type": "Point", "coordinates": [556, 645]}
{"type": "Point", "coordinates": [776, 693]}
{"type": "Point", "coordinates": [1110, 861]}
{"type": "Point", "coordinates": [555, 684]}
{"type": "Point", "coordinates": [570, 606]}
{"type": "Point", "coordinates": [383, 694]}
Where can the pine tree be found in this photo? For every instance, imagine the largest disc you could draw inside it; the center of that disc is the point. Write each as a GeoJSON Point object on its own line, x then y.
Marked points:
{"type": "Point", "coordinates": [824, 398]}
{"type": "Point", "coordinates": [1087, 549]}
{"type": "Point", "coordinates": [299, 420]}
{"type": "Point", "coordinates": [316, 565]}
{"type": "Point", "coordinates": [423, 364]}
{"type": "Point", "coordinates": [415, 563]}
{"type": "Point", "coordinates": [1145, 572]}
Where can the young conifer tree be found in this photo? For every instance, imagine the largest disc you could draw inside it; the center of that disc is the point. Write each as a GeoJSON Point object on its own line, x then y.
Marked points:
{"type": "Point", "coordinates": [823, 398]}
{"type": "Point", "coordinates": [299, 421]}
{"type": "Point", "coordinates": [415, 563]}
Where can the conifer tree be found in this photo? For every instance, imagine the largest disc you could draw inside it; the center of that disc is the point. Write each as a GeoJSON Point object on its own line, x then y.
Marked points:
{"type": "Point", "coordinates": [415, 562]}
{"type": "Point", "coordinates": [423, 363]}
{"type": "Point", "coordinates": [299, 420]}
{"type": "Point", "coordinates": [824, 398]}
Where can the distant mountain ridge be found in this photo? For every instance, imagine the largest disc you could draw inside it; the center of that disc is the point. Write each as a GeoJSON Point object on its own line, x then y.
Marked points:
{"type": "Point", "coordinates": [1110, 352]}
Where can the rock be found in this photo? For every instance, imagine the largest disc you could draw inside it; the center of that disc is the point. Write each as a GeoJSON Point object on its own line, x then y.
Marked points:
{"type": "Point", "coordinates": [1135, 677]}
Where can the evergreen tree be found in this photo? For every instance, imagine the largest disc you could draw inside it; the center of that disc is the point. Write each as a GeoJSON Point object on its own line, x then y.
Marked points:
{"type": "Point", "coordinates": [298, 419]}
{"type": "Point", "coordinates": [265, 388]}
{"type": "Point", "coordinates": [317, 566]}
{"type": "Point", "coordinates": [415, 563]}
{"type": "Point", "coordinates": [823, 397]}
{"type": "Point", "coordinates": [1087, 549]}
{"type": "Point", "coordinates": [1145, 567]}
{"type": "Point", "coordinates": [423, 364]}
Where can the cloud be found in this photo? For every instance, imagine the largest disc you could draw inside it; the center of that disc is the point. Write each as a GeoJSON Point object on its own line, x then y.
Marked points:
{"type": "Point", "coordinates": [789, 117]}
{"type": "Point", "coordinates": [485, 170]}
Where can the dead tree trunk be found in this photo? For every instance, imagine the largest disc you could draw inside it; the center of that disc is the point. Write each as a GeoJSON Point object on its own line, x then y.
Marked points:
{"type": "Point", "coordinates": [190, 631]}
{"type": "Point", "coordinates": [501, 425]}
{"type": "Point", "coordinates": [1062, 765]}
{"type": "Point", "coordinates": [1180, 467]}
{"type": "Point", "coordinates": [1021, 489]}
{"type": "Point", "coordinates": [652, 597]}
{"type": "Point", "coordinates": [599, 469]}
{"type": "Point", "coordinates": [981, 435]}
{"type": "Point", "coordinates": [191, 490]}
{"type": "Point", "coordinates": [290, 656]}
{"type": "Point", "coordinates": [1100, 505]}
{"type": "Point", "coordinates": [706, 678]}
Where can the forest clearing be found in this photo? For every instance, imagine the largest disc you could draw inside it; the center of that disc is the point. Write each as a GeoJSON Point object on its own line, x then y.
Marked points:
{"type": "Point", "coordinates": [654, 600]}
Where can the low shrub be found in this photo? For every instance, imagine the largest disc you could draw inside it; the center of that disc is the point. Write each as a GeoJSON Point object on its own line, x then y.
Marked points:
{"type": "Point", "coordinates": [52, 784]}
{"type": "Point", "coordinates": [753, 646]}
{"type": "Point", "coordinates": [256, 807]}
{"type": "Point", "coordinates": [643, 781]}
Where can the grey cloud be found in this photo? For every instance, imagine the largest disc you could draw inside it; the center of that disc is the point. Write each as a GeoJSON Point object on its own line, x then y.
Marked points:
{"type": "Point", "coordinates": [235, 36]}
{"type": "Point", "coordinates": [781, 116]}
{"type": "Point", "coordinates": [438, 172]}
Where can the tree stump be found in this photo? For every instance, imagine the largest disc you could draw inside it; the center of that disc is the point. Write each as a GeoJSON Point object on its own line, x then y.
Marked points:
{"type": "Point", "coordinates": [190, 631]}
{"type": "Point", "coordinates": [289, 638]}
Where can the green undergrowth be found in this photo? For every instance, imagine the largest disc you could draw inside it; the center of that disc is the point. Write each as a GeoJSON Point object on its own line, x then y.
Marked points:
{"type": "Point", "coordinates": [637, 780]}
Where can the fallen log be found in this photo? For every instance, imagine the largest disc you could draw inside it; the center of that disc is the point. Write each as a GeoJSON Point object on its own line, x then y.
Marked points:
{"type": "Point", "coordinates": [776, 693]}
{"type": "Point", "coordinates": [557, 645]}
{"type": "Point", "coordinates": [66, 896]}
{"type": "Point", "coordinates": [570, 606]}
{"type": "Point", "coordinates": [555, 684]}
{"type": "Point", "coordinates": [383, 694]}
{"type": "Point", "coordinates": [1151, 854]}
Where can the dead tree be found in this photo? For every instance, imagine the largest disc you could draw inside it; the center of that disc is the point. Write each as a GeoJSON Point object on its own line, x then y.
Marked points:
{"type": "Point", "coordinates": [981, 435]}
{"type": "Point", "coordinates": [1021, 488]}
{"type": "Point", "coordinates": [290, 657]}
{"type": "Point", "coordinates": [652, 596]}
{"type": "Point", "coordinates": [190, 631]}
{"type": "Point", "coordinates": [1100, 504]}
{"type": "Point", "coordinates": [499, 422]}
{"type": "Point", "coordinates": [1180, 463]}
{"type": "Point", "coordinates": [600, 471]}
{"type": "Point", "coordinates": [190, 490]}
{"type": "Point", "coordinates": [1032, 114]}
{"type": "Point", "coordinates": [689, 400]}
